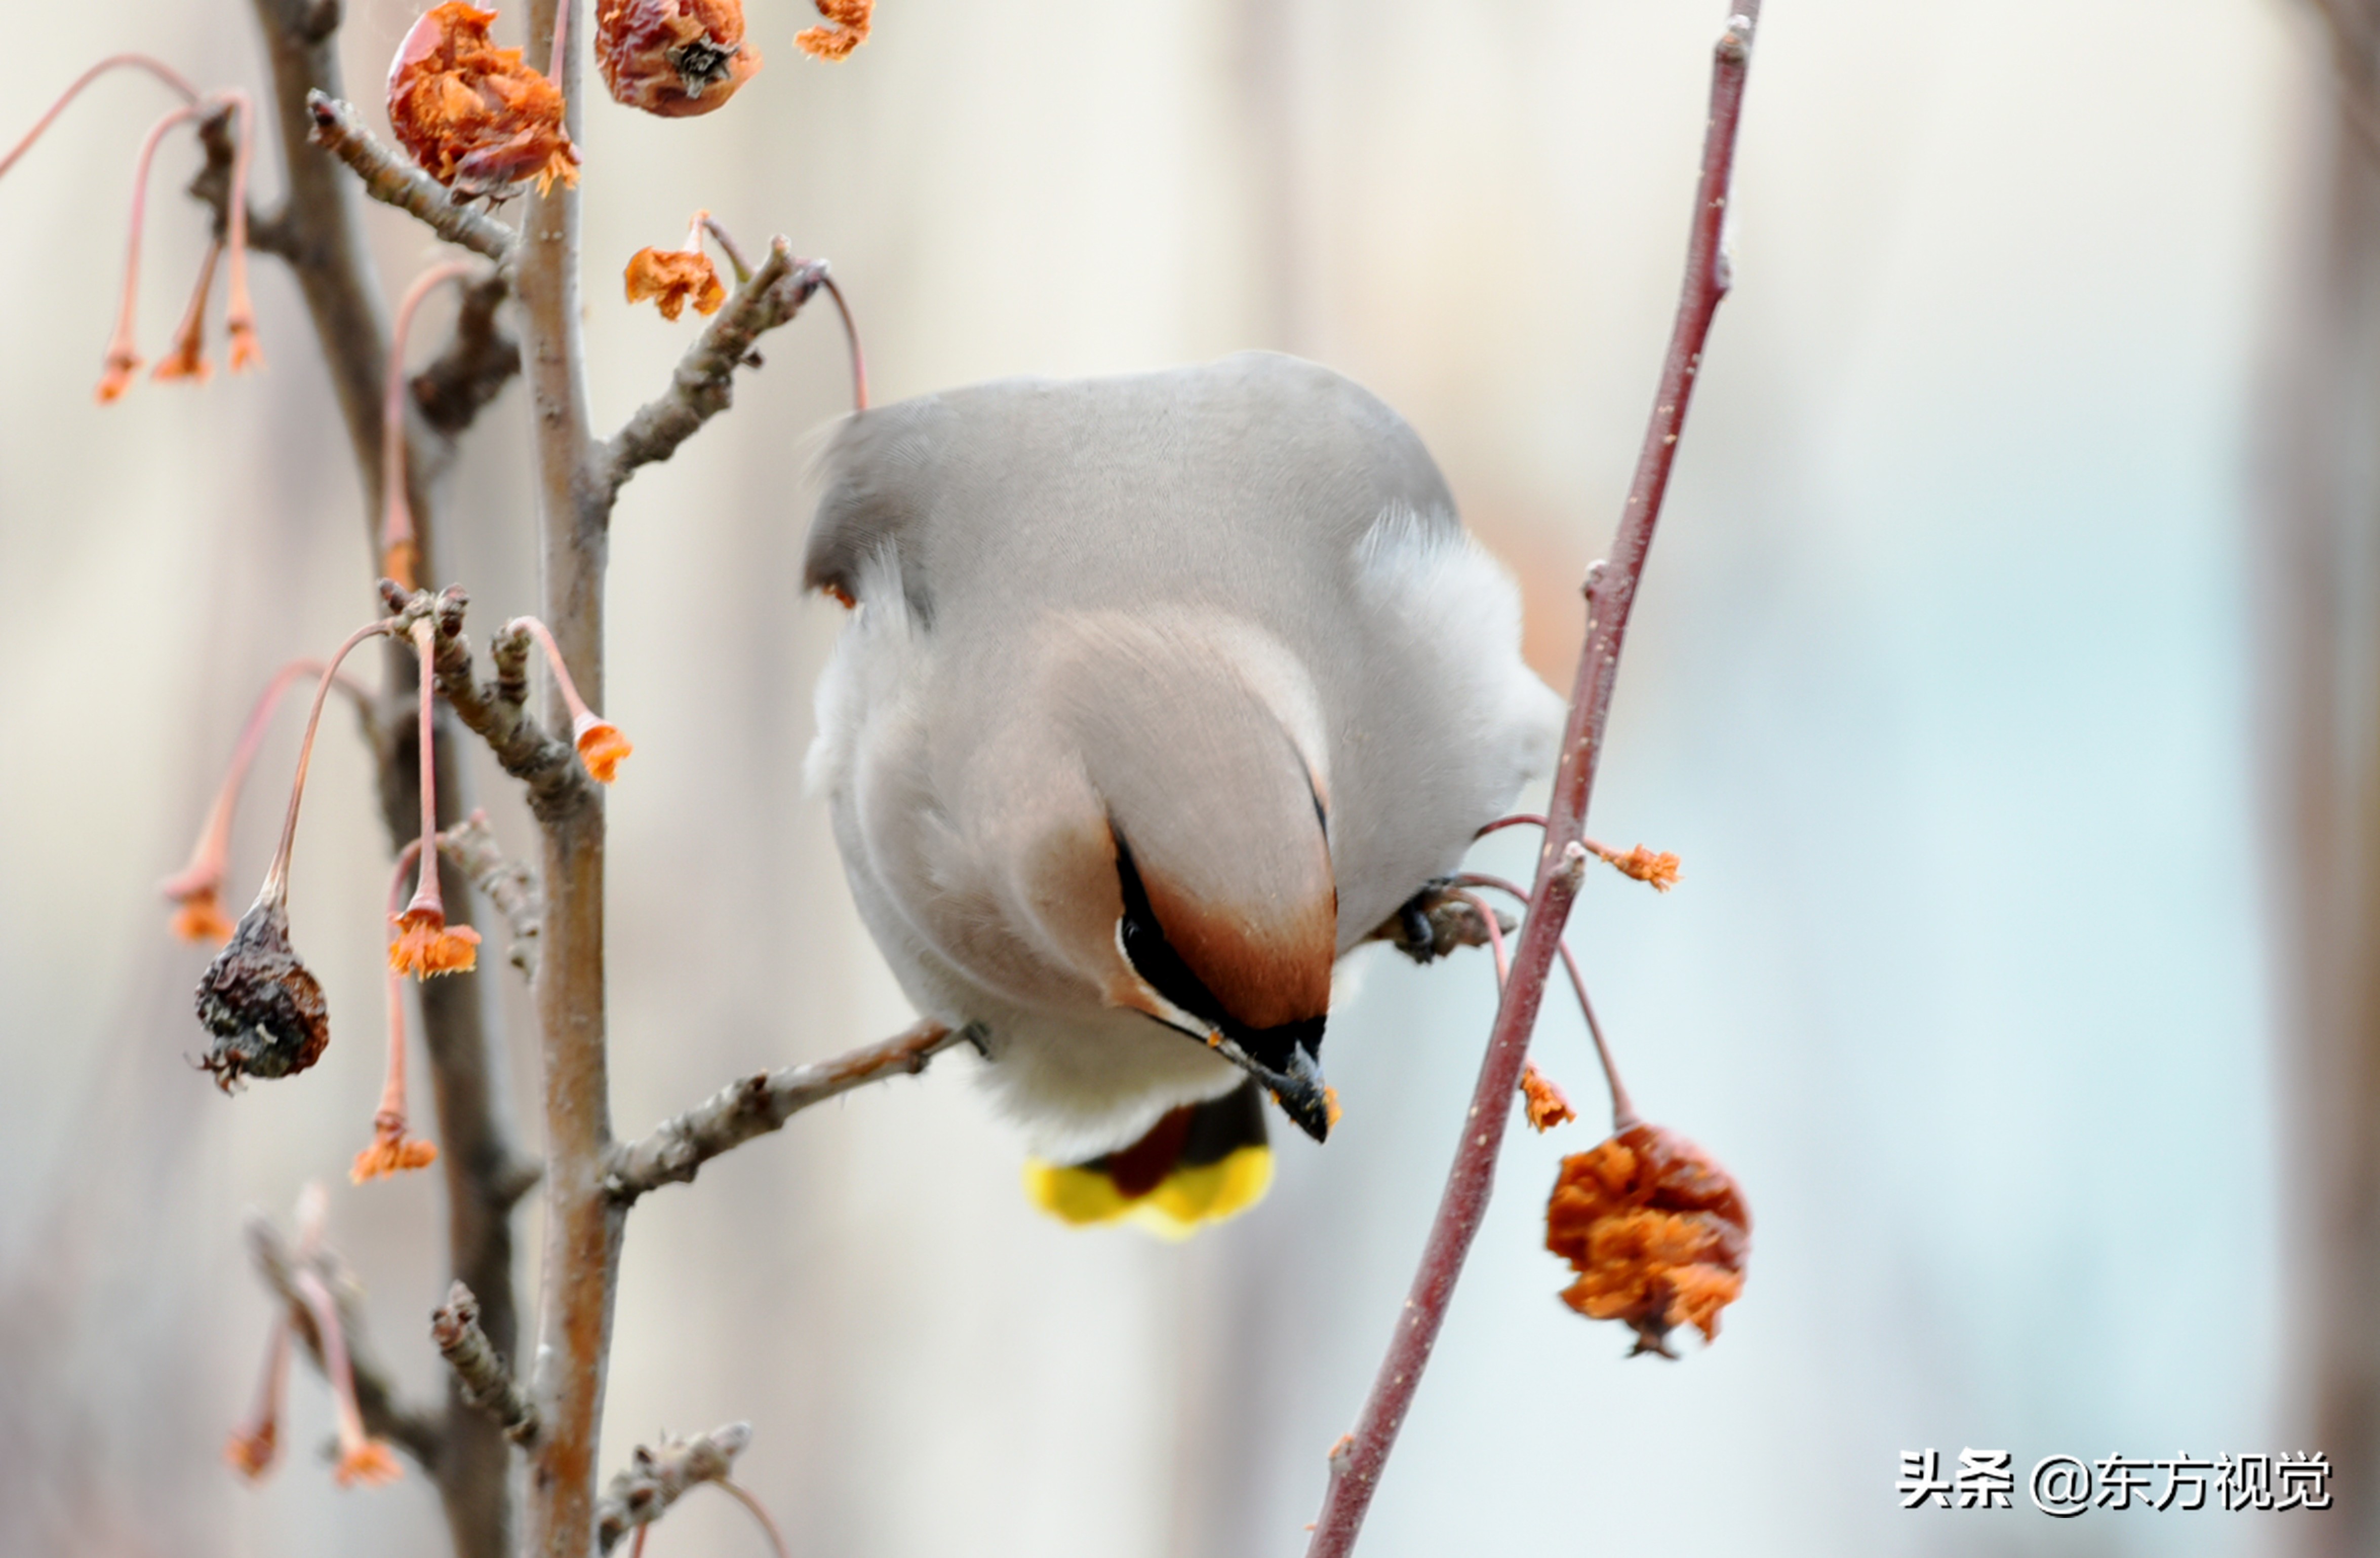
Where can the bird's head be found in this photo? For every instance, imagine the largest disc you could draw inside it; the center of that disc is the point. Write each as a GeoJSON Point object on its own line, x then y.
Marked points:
{"type": "Point", "coordinates": [1205, 879]}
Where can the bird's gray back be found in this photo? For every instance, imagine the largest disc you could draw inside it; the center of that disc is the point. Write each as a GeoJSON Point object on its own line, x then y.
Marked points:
{"type": "Point", "coordinates": [1247, 482]}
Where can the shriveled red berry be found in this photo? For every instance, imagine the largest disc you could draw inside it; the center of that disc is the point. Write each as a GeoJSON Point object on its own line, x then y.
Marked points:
{"type": "Point", "coordinates": [676, 58]}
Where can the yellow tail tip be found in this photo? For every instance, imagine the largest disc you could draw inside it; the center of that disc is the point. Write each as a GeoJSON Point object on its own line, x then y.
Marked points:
{"type": "Point", "coordinates": [1182, 1203]}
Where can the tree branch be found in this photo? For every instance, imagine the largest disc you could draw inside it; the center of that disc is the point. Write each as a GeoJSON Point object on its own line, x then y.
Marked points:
{"type": "Point", "coordinates": [584, 1225]}
{"type": "Point", "coordinates": [508, 885]}
{"type": "Point", "coordinates": [475, 367]}
{"type": "Point", "coordinates": [658, 1479]}
{"type": "Point", "coordinates": [703, 384]}
{"type": "Point", "coordinates": [677, 1148]}
{"type": "Point", "coordinates": [391, 180]}
{"type": "Point", "coordinates": [416, 1433]}
{"type": "Point", "coordinates": [211, 187]}
{"type": "Point", "coordinates": [1610, 589]}
{"type": "Point", "coordinates": [320, 220]}
{"type": "Point", "coordinates": [497, 712]}
{"type": "Point", "coordinates": [486, 1379]}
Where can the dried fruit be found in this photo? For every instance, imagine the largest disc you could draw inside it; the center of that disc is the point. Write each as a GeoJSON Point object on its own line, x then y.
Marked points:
{"type": "Point", "coordinates": [676, 58]}
{"type": "Point", "coordinates": [472, 114]}
{"type": "Point", "coordinates": [266, 1011]}
{"type": "Point", "coordinates": [1657, 1232]}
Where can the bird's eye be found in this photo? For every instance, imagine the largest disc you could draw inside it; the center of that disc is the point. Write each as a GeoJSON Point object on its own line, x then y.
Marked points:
{"type": "Point", "coordinates": [1151, 956]}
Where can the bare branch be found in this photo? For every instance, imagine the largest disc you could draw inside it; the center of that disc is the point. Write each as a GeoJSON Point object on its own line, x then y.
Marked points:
{"type": "Point", "coordinates": [508, 885]}
{"type": "Point", "coordinates": [391, 179]}
{"type": "Point", "coordinates": [417, 1432]}
{"type": "Point", "coordinates": [487, 1380]}
{"type": "Point", "coordinates": [678, 1148]}
{"type": "Point", "coordinates": [658, 1479]}
{"type": "Point", "coordinates": [703, 384]}
{"type": "Point", "coordinates": [211, 189]}
{"type": "Point", "coordinates": [1610, 590]}
{"type": "Point", "coordinates": [497, 712]}
{"type": "Point", "coordinates": [475, 367]}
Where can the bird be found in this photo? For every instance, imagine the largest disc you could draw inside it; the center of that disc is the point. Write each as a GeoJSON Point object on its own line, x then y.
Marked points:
{"type": "Point", "coordinates": [1158, 694]}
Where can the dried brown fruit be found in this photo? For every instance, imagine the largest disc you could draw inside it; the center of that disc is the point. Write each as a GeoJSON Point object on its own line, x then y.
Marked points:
{"type": "Point", "coordinates": [472, 114]}
{"type": "Point", "coordinates": [266, 1011]}
{"type": "Point", "coordinates": [1657, 1232]}
{"type": "Point", "coordinates": [676, 58]}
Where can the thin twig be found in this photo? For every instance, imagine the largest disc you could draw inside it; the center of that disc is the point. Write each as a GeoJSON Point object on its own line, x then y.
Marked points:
{"type": "Point", "coordinates": [676, 1149]}
{"type": "Point", "coordinates": [1610, 589]}
{"type": "Point", "coordinates": [508, 885]}
{"type": "Point", "coordinates": [212, 187]}
{"type": "Point", "coordinates": [486, 1379]}
{"type": "Point", "coordinates": [393, 180]}
{"type": "Point", "coordinates": [478, 362]}
{"type": "Point", "coordinates": [497, 712]}
{"type": "Point", "coordinates": [702, 386]}
{"type": "Point", "coordinates": [658, 1479]}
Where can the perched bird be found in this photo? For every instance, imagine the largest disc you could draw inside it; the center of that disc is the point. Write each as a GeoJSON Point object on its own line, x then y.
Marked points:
{"type": "Point", "coordinates": [1160, 693]}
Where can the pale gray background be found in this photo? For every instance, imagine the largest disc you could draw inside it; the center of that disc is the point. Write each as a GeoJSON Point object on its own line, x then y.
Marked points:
{"type": "Point", "coordinates": [1941, 686]}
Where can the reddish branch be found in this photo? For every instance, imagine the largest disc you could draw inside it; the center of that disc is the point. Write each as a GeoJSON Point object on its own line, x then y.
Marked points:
{"type": "Point", "coordinates": [1610, 590]}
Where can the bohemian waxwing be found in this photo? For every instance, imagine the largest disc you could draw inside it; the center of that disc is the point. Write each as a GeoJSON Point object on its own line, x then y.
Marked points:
{"type": "Point", "coordinates": [1160, 693]}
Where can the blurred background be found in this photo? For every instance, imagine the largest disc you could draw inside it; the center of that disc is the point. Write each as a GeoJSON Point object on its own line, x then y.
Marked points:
{"type": "Point", "coordinates": [2004, 675]}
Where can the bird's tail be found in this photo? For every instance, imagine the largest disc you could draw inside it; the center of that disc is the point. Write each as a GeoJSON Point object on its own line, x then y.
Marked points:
{"type": "Point", "coordinates": [1198, 1164]}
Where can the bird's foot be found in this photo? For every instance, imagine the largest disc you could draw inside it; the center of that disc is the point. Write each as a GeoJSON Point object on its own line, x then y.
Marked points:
{"type": "Point", "coordinates": [1435, 922]}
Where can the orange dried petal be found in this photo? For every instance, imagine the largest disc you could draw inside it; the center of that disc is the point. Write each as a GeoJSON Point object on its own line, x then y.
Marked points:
{"type": "Point", "coordinates": [199, 917]}
{"type": "Point", "coordinates": [672, 278]}
{"type": "Point", "coordinates": [251, 1452]}
{"type": "Point", "coordinates": [120, 365]}
{"type": "Point", "coordinates": [600, 747]}
{"type": "Point", "coordinates": [426, 945]}
{"type": "Point", "coordinates": [245, 351]}
{"type": "Point", "coordinates": [849, 23]}
{"type": "Point", "coordinates": [1545, 1104]}
{"type": "Point", "coordinates": [391, 1152]}
{"type": "Point", "coordinates": [369, 1463]}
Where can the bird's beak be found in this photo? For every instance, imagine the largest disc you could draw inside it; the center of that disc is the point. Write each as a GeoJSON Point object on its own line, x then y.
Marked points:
{"type": "Point", "coordinates": [1296, 1086]}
